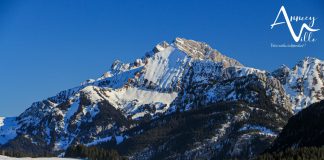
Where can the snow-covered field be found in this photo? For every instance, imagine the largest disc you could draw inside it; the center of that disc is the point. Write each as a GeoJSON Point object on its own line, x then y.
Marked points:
{"type": "Point", "coordinates": [10, 158]}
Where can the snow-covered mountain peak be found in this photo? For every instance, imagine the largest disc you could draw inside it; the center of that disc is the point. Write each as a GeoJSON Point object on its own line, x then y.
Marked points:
{"type": "Point", "coordinates": [160, 47]}
{"type": "Point", "coordinates": [304, 83]}
{"type": "Point", "coordinates": [168, 51]}
{"type": "Point", "coordinates": [119, 66]}
{"type": "Point", "coordinates": [282, 73]}
{"type": "Point", "coordinates": [310, 60]}
{"type": "Point", "coordinates": [177, 76]}
{"type": "Point", "coordinates": [284, 67]}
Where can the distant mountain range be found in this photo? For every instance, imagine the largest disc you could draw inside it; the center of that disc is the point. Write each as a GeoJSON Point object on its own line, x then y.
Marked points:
{"type": "Point", "coordinates": [183, 100]}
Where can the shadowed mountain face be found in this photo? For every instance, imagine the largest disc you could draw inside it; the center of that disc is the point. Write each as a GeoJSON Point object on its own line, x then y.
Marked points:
{"type": "Point", "coordinates": [221, 131]}
{"type": "Point", "coordinates": [182, 100]}
{"type": "Point", "coordinates": [305, 129]}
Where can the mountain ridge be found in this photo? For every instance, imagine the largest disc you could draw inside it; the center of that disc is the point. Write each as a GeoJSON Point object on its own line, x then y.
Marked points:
{"type": "Point", "coordinates": [182, 76]}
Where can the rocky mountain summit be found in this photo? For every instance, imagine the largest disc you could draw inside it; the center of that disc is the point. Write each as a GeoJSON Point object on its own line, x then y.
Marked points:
{"type": "Point", "coordinates": [182, 100]}
{"type": "Point", "coordinates": [304, 83]}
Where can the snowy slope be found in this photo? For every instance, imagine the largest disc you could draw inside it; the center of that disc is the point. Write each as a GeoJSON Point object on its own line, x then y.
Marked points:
{"type": "Point", "coordinates": [166, 67]}
{"type": "Point", "coordinates": [1, 121]}
{"type": "Point", "coordinates": [304, 83]}
{"type": "Point", "coordinates": [8, 128]}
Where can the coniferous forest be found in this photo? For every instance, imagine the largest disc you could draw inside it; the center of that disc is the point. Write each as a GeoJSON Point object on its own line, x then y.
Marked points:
{"type": "Point", "coordinates": [92, 153]}
{"type": "Point", "coordinates": [305, 153]}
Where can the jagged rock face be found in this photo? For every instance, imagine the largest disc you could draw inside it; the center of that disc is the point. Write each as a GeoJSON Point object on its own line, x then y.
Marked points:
{"type": "Point", "coordinates": [200, 50]}
{"type": "Point", "coordinates": [81, 119]}
{"type": "Point", "coordinates": [215, 83]}
{"type": "Point", "coordinates": [281, 74]}
{"type": "Point", "coordinates": [132, 99]}
{"type": "Point", "coordinates": [304, 83]}
{"type": "Point", "coordinates": [305, 129]}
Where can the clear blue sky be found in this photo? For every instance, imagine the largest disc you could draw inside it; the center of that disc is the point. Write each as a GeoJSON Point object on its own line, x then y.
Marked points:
{"type": "Point", "coordinates": [50, 45]}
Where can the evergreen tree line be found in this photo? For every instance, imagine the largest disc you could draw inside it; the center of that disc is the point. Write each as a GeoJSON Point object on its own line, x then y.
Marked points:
{"type": "Point", "coordinates": [305, 153]}
{"type": "Point", "coordinates": [12, 153]}
{"type": "Point", "coordinates": [92, 153]}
